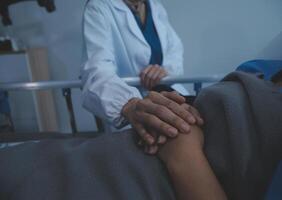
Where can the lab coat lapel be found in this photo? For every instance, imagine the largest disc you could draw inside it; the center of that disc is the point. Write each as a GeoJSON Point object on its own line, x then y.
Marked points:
{"type": "Point", "coordinates": [130, 20]}
{"type": "Point", "coordinates": [158, 21]}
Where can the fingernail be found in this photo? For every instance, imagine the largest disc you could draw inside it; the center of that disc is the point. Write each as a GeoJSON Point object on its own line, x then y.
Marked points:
{"type": "Point", "coordinates": [160, 140]}
{"type": "Point", "coordinates": [192, 120]}
{"type": "Point", "coordinates": [172, 131]}
{"type": "Point", "coordinates": [185, 127]}
{"type": "Point", "coordinates": [201, 121]}
{"type": "Point", "coordinates": [150, 140]}
{"type": "Point", "coordinates": [152, 150]}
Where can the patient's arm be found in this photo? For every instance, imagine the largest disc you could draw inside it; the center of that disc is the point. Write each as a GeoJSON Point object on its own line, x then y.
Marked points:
{"type": "Point", "coordinates": [189, 169]}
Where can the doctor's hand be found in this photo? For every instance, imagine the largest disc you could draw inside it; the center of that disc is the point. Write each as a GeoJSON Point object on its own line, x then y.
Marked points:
{"type": "Point", "coordinates": [152, 75]}
{"type": "Point", "coordinates": [161, 141]}
{"type": "Point", "coordinates": [160, 114]}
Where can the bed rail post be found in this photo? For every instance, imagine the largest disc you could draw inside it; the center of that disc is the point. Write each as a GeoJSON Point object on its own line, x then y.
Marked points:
{"type": "Point", "coordinates": [67, 95]}
{"type": "Point", "coordinates": [6, 111]}
{"type": "Point", "coordinates": [197, 87]}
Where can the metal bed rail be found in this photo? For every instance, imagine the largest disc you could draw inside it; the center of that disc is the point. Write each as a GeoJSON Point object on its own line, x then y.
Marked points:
{"type": "Point", "coordinates": [133, 81]}
{"type": "Point", "coordinates": [67, 86]}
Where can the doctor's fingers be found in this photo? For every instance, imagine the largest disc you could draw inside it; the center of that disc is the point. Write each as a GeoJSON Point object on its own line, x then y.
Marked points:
{"type": "Point", "coordinates": [151, 149]}
{"type": "Point", "coordinates": [143, 74]}
{"type": "Point", "coordinates": [158, 76]}
{"type": "Point", "coordinates": [159, 115]}
{"type": "Point", "coordinates": [195, 112]}
{"type": "Point", "coordinates": [161, 139]}
{"type": "Point", "coordinates": [174, 96]}
{"type": "Point", "coordinates": [153, 76]}
{"type": "Point", "coordinates": [149, 76]}
{"type": "Point", "coordinates": [162, 75]}
{"type": "Point", "coordinates": [143, 133]}
{"type": "Point", "coordinates": [153, 122]}
{"type": "Point", "coordinates": [174, 107]}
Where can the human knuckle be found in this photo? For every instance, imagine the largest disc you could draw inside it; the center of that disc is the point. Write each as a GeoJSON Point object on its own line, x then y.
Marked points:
{"type": "Point", "coordinates": [137, 117]}
{"type": "Point", "coordinates": [148, 76]}
{"type": "Point", "coordinates": [168, 95]}
{"type": "Point", "coordinates": [156, 77]}
{"type": "Point", "coordinates": [152, 94]}
{"type": "Point", "coordinates": [161, 110]}
{"type": "Point", "coordinates": [146, 72]}
{"type": "Point", "coordinates": [146, 101]}
{"type": "Point", "coordinates": [187, 106]}
{"type": "Point", "coordinates": [176, 120]}
{"type": "Point", "coordinates": [184, 114]}
{"type": "Point", "coordinates": [164, 127]}
{"type": "Point", "coordinates": [183, 107]}
{"type": "Point", "coordinates": [174, 94]}
{"type": "Point", "coordinates": [195, 110]}
{"type": "Point", "coordinates": [141, 131]}
{"type": "Point", "coordinates": [171, 104]}
{"type": "Point", "coordinates": [151, 118]}
{"type": "Point", "coordinates": [140, 105]}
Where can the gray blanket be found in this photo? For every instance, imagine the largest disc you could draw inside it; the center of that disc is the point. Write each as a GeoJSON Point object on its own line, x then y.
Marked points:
{"type": "Point", "coordinates": [243, 132]}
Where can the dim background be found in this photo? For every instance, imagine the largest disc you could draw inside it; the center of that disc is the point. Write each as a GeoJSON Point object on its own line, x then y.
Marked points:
{"type": "Point", "coordinates": [218, 35]}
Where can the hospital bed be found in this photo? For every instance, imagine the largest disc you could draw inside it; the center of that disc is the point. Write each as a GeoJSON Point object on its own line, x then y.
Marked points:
{"type": "Point", "coordinates": [67, 86]}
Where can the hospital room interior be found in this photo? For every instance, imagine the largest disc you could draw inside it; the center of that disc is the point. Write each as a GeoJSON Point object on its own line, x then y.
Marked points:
{"type": "Point", "coordinates": [109, 99]}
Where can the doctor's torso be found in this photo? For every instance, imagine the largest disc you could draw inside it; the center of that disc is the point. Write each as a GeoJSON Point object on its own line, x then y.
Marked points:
{"type": "Point", "coordinates": [116, 47]}
{"type": "Point", "coordinates": [131, 51]}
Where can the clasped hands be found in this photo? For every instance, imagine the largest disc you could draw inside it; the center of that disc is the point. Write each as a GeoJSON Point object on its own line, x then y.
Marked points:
{"type": "Point", "coordinates": [159, 117]}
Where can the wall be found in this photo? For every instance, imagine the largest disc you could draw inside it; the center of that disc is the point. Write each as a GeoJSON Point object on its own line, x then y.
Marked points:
{"type": "Point", "coordinates": [60, 32]}
{"type": "Point", "coordinates": [218, 35]}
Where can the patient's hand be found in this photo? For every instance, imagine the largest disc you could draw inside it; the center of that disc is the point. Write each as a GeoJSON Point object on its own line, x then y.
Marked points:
{"type": "Point", "coordinates": [178, 149]}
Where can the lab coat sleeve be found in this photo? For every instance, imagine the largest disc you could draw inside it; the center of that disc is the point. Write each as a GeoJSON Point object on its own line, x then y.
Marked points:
{"type": "Point", "coordinates": [104, 93]}
{"type": "Point", "coordinates": [174, 52]}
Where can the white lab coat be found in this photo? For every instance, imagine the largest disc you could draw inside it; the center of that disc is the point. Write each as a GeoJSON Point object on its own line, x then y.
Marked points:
{"type": "Point", "coordinates": [116, 48]}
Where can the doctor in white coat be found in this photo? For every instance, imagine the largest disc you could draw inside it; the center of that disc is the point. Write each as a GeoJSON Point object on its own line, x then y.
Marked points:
{"type": "Point", "coordinates": [117, 47]}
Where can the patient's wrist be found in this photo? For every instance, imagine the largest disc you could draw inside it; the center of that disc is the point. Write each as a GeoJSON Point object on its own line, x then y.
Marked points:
{"type": "Point", "coordinates": [185, 147]}
{"type": "Point", "coordinates": [187, 158]}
